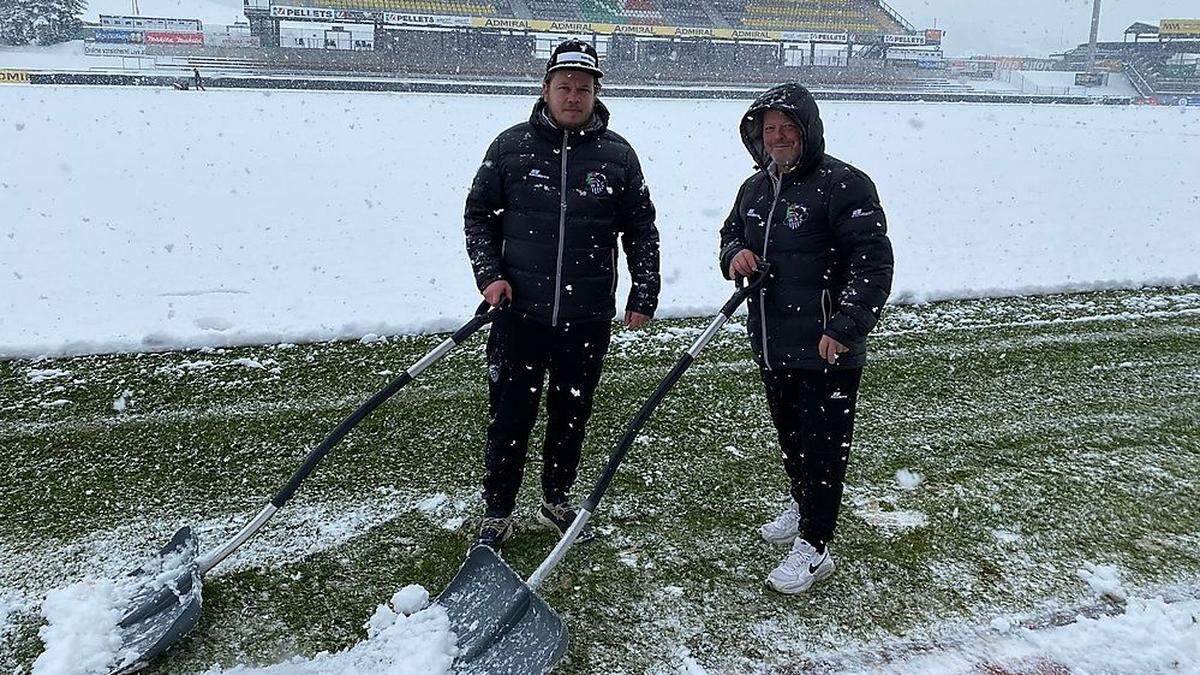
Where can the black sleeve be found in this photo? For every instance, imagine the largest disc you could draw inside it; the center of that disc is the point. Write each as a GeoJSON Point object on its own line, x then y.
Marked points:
{"type": "Point", "coordinates": [639, 238]}
{"type": "Point", "coordinates": [860, 227]}
{"type": "Point", "coordinates": [733, 234]}
{"type": "Point", "coordinates": [485, 205]}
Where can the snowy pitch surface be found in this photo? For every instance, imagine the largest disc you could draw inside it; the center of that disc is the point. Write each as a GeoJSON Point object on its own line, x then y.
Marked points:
{"type": "Point", "coordinates": [1017, 462]}
{"type": "Point", "coordinates": [136, 219]}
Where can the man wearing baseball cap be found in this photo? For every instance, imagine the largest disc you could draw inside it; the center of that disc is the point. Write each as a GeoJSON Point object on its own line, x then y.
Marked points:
{"type": "Point", "coordinates": [542, 220]}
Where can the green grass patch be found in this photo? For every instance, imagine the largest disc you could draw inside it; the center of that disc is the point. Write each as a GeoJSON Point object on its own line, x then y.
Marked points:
{"type": "Point", "coordinates": [1050, 431]}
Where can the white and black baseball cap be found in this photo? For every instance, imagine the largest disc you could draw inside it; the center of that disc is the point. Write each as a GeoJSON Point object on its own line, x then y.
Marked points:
{"type": "Point", "coordinates": [577, 55]}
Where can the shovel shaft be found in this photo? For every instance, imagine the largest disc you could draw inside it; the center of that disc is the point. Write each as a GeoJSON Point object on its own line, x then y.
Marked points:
{"type": "Point", "coordinates": [483, 316]}
{"type": "Point", "coordinates": [318, 453]}
{"type": "Point", "coordinates": [590, 505]}
{"type": "Point", "coordinates": [660, 392]}
{"type": "Point", "coordinates": [635, 426]}
{"type": "Point", "coordinates": [539, 575]}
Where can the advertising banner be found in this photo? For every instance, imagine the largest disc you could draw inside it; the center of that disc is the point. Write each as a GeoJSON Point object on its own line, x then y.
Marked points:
{"type": "Point", "coordinates": [118, 36]}
{"type": "Point", "coordinates": [231, 41]}
{"type": "Point", "coordinates": [174, 38]}
{"type": "Point", "coordinates": [400, 19]}
{"type": "Point", "coordinates": [104, 49]}
{"type": "Point", "coordinates": [14, 77]}
{"type": "Point", "coordinates": [1179, 27]}
{"type": "Point", "coordinates": [802, 36]}
{"type": "Point", "coordinates": [310, 13]}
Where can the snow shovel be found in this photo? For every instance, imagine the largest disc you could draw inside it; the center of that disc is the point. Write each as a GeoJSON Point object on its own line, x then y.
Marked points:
{"type": "Point", "coordinates": [502, 625]}
{"type": "Point", "coordinates": [166, 604]}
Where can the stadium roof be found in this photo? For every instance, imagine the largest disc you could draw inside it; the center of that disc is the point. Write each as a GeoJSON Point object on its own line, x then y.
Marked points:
{"type": "Point", "coordinates": [1139, 28]}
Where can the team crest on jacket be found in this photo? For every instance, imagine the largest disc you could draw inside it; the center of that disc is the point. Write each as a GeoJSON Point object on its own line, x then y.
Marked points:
{"type": "Point", "coordinates": [795, 216]}
{"type": "Point", "coordinates": [596, 182]}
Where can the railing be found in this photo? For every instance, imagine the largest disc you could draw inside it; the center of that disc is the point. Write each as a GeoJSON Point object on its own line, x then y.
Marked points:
{"type": "Point", "coordinates": [1143, 87]}
{"type": "Point", "coordinates": [896, 16]}
{"type": "Point", "coordinates": [1027, 87]}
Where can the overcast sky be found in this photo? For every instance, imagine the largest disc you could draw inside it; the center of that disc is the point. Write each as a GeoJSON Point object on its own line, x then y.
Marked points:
{"type": "Point", "coordinates": [1033, 27]}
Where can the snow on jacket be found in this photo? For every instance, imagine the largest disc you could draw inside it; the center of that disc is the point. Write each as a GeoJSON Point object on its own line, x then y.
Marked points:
{"type": "Point", "coordinates": [544, 214]}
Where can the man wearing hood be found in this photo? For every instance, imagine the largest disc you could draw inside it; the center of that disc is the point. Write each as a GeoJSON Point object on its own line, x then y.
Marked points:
{"type": "Point", "coordinates": [542, 221]}
{"type": "Point", "coordinates": [818, 222]}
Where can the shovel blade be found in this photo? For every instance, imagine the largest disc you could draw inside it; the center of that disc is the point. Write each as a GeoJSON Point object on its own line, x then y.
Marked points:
{"type": "Point", "coordinates": [165, 604]}
{"type": "Point", "coordinates": [502, 626]}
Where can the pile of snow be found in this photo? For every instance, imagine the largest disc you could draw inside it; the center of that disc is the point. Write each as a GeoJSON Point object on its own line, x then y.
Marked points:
{"type": "Point", "coordinates": [908, 479]}
{"type": "Point", "coordinates": [407, 636]}
{"type": "Point", "coordinates": [123, 400]}
{"type": "Point", "coordinates": [81, 635]}
{"type": "Point", "coordinates": [1104, 580]}
{"type": "Point", "coordinates": [1151, 636]}
{"type": "Point", "coordinates": [342, 215]}
{"type": "Point", "coordinates": [64, 56]}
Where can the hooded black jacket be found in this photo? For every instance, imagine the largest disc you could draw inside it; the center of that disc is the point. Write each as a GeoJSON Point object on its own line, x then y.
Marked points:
{"type": "Point", "coordinates": [823, 231]}
{"type": "Point", "coordinates": [544, 213]}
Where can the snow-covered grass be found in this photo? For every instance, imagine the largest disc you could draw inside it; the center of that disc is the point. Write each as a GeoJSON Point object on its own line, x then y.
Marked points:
{"type": "Point", "coordinates": [1020, 493]}
{"type": "Point", "coordinates": [138, 219]}
{"type": "Point", "coordinates": [406, 636]}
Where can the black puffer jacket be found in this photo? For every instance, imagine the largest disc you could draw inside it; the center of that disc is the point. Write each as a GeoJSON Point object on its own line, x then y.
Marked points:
{"type": "Point", "coordinates": [823, 231]}
{"type": "Point", "coordinates": [544, 213]}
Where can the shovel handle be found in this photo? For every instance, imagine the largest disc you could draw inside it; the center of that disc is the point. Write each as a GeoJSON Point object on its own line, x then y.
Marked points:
{"type": "Point", "coordinates": [635, 425]}
{"type": "Point", "coordinates": [744, 289]}
{"type": "Point", "coordinates": [483, 316]}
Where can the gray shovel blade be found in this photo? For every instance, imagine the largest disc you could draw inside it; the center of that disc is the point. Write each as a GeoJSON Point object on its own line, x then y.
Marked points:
{"type": "Point", "coordinates": [502, 626]}
{"type": "Point", "coordinates": [165, 605]}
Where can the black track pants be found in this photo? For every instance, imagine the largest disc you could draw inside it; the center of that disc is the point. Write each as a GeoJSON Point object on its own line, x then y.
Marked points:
{"type": "Point", "coordinates": [521, 353]}
{"type": "Point", "coordinates": [813, 411]}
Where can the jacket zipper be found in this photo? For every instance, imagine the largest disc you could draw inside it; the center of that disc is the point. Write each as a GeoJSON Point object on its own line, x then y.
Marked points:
{"type": "Point", "coordinates": [825, 312]}
{"type": "Point", "coordinates": [562, 231]}
{"type": "Point", "coordinates": [762, 292]}
{"type": "Point", "coordinates": [613, 292]}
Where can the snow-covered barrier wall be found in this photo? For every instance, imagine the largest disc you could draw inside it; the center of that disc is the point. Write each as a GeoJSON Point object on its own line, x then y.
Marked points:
{"type": "Point", "coordinates": [138, 219]}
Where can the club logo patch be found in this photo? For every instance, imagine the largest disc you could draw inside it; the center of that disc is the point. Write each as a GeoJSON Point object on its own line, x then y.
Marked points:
{"type": "Point", "coordinates": [494, 372]}
{"type": "Point", "coordinates": [795, 216]}
{"type": "Point", "coordinates": [596, 182]}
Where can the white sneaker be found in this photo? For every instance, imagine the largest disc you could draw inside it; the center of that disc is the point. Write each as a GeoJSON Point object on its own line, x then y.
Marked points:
{"type": "Point", "coordinates": [785, 528]}
{"type": "Point", "coordinates": [801, 568]}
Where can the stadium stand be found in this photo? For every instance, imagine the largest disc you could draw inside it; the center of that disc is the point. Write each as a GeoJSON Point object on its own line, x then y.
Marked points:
{"type": "Point", "coordinates": [1154, 76]}
{"type": "Point", "coordinates": [556, 10]}
{"type": "Point", "coordinates": [450, 48]}
{"type": "Point", "coordinates": [1153, 67]}
{"type": "Point", "coordinates": [497, 8]}
{"type": "Point", "coordinates": [855, 16]}
{"type": "Point", "coordinates": [684, 13]}
{"type": "Point", "coordinates": [618, 11]}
